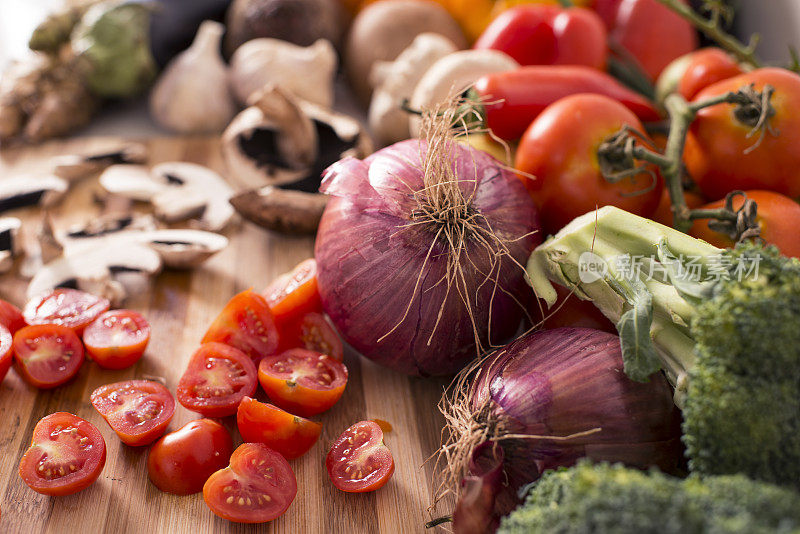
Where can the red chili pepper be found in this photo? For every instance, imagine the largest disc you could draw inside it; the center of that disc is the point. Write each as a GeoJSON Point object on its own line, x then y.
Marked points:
{"type": "Point", "coordinates": [548, 35]}
{"type": "Point", "coordinates": [514, 98]}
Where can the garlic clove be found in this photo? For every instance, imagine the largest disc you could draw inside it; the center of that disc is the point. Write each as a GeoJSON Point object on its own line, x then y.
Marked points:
{"type": "Point", "coordinates": [192, 95]}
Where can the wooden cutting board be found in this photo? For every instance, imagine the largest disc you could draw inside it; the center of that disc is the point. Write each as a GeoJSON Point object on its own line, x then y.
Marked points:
{"type": "Point", "coordinates": [180, 306]}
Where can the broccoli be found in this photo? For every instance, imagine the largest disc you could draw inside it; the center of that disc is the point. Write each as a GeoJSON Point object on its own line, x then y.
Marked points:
{"type": "Point", "coordinates": [613, 499]}
{"type": "Point", "coordinates": [724, 325]}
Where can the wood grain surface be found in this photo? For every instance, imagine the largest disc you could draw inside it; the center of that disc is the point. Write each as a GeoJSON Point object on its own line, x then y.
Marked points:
{"type": "Point", "coordinates": [180, 305]}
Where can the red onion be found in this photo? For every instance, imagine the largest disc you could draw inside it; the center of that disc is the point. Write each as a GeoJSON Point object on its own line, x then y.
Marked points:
{"type": "Point", "coordinates": [420, 253]}
{"type": "Point", "coordinates": [547, 400]}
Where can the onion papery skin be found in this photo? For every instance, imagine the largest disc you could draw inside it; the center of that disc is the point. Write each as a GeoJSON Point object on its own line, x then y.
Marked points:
{"type": "Point", "coordinates": [566, 381]}
{"type": "Point", "coordinates": [372, 260]}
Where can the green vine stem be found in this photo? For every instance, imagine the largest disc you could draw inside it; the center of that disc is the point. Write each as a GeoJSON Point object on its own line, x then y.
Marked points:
{"type": "Point", "coordinates": [712, 27]}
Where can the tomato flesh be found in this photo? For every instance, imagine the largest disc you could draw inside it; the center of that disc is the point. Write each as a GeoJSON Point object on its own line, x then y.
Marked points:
{"type": "Point", "coordinates": [117, 339]}
{"type": "Point", "coordinates": [67, 455]}
{"type": "Point", "coordinates": [302, 382]}
{"type": "Point", "coordinates": [47, 355]}
{"type": "Point", "coordinates": [6, 351]}
{"type": "Point", "coordinates": [257, 486]}
{"type": "Point", "coordinates": [181, 461]}
{"type": "Point", "coordinates": [67, 307]}
{"type": "Point", "coordinates": [313, 332]}
{"type": "Point", "coordinates": [217, 378]}
{"type": "Point", "coordinates": [137, 410]}
{"type": "Point", "coordinates": [11, 316]}
{"type": "Point", "coordinates": [246, 323]}
{"type": "Point", "coordinates": [359, 461]}
{"type": "Point", "coordinates": [295, 293]}
{"type": "Point", "coordinates": [290, 435]}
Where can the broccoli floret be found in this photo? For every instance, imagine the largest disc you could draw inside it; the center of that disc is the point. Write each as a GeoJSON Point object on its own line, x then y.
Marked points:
{"type": "Point", "coordinates": [728, 338]}
{"type": "Point", "coordinates": [613, 499]}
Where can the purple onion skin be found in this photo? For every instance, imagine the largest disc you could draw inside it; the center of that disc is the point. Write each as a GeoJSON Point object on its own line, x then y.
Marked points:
{"type": "Point", "coordinates": [474, 513]}
{"type": "Point", "coordinates": [369, 260]}
{"type": "Point", "coordinates": [568, 380]}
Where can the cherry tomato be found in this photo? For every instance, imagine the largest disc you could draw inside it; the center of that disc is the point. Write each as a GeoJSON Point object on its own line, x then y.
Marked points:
{"type": "Point", "coordinates": [548, 35]}
{"type": "Point", "coordinates": [258, 486]}
{"type": "Point", "coordinates": [67, 307]}
{"type": "Point", "coordinates": [6, 351]}
{"type": "Point", "coordinates": [653, 34]}
{"type": "Point", "coordinates": [117, 339]}
{"type": "Point", "coordinates": [137, 410]}
{"type": "Point", "coordinates": [11, 317]}
{"type": "Point", "coordinates": [607, 10]}
{"type": "Point", "coordinates": [216, 380]}
{"type": "Point", "coordinates": [695, 71]}
{"type": "Point", "coordinates": [288, 434]}
{"type": "Point", "coordinates": [313, 332]}
{"type": "Point", "coordinates": [295, 293]}
{"type": "Point", "coordinates": [359, 461]}
{"type": "Point", "coordinates": [715, 148]}
{"type": "Point", "coordinates": [246, 323]}
{"type": "Point", "coordinates": [663, 213]}
{"type": "Point", "coordinates": [181, 461]}
{"type": "Point", "coordinates": [67, 455]}
{"type": "Point", "coordinates": [559, 150]}
{"type": "Point", "coordinates": [778, 217]}
{"type": "Point", "coordinates": [47, 355]}
{"type": "Point", "coordinates": [302, 382]}
{"type": "Point", "coordinates": [570, 311]}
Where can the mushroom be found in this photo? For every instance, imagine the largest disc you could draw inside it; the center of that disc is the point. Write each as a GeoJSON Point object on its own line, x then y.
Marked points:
{"type": "Point", "coordinates": [282, 210]}
{"type": "Point", "coordinates": [10, 247]}
{"type": "Point", "coordinates": [78, 166]}
{"type": "Point", "coordinates": [177, 190]}
{"type": "Point", "coordinates": [29, 190]}
{"type": "Point", "coordinates": [281, 140]}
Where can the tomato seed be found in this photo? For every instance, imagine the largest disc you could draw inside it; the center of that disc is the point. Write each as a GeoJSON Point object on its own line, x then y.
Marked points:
{"type": "Point", "coordinates": [241, 501]}
{"type": "Point", "coordinates": [229, 500]}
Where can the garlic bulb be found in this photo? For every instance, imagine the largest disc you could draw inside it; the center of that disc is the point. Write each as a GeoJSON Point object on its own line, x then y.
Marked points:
{"type": "Point", "coordinates": [192, 95]}
{"type": "Point", "coordinates": [305, 72]}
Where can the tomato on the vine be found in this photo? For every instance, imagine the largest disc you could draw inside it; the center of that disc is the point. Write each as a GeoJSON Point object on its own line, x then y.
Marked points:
{"type": "Point", "coordinates": [358, 460]}
{"type": "Point", "coordinates": [288, 434]}
{"type": "Point", "coordinates": [690, 74]}
{"type": "Point", "coordinates": [663, 213]}
{"type": "Point", "coordinates": [258, 486]}
{"type": "Point", "coordinates": [137, 410]}
{"type": "Point", "coordinates": [722, 155]}
{"type": "Point", "coordinates": [778, 218]}
{"type": "Point", "coordinates": [559, 153]}
{"type": "Point", "coordinates": [6, 351]}
{"type": "Point", "coordinates": [302, 382]}
{"type": "Point", "coordinates": [67, 307]}
{"type": "Point", "coordinates": [245, 323]}
{"type": "Point", "coordinates": [181, 461]}
{"type": "Point", "coordinates": [47, 355]}
{"type": "Point", "coordinates": [11, 316]}
{"type": "Point", "coordinates": [216, 380]}
{"type": "Point", "coordinates": [117, 339]}
{"type": "Point", "coordinates": [295, 293]}
{"type": "Point", "coordinates": [313, 332]}
{"type": "Point", "coordinates": [66, 455]}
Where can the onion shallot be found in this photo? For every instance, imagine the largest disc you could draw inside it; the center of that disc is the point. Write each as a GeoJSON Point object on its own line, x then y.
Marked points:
{"type": "Point", "coordinates": [544, 401]}
{"type": "Point", "coordinates": [419, 250]}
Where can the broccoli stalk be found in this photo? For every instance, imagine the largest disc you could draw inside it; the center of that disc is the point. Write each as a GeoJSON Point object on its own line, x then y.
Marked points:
{"type": "Point", "coordinates": [724, 325]}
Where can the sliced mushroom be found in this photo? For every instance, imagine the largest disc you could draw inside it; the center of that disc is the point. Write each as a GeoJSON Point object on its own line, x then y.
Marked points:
{"type": "Point", "coordinates": [282, 210]}
{"type": "Point", "coordinates": [30, 190]}
{"type": "Point", "coordinates": [183, 249]}
{"type": "Point", "coordinates": [78, 166]}
{"type": "Point", "coordinates": [10, 246]}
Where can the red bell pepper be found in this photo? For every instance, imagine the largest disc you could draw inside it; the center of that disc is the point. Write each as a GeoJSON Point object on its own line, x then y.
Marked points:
{"type": "Point", "coordinates": [536, 34]}
{"type": "Point", "coordinates": [512, 99]}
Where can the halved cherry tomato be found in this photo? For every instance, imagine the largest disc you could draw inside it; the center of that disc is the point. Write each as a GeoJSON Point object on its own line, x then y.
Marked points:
{"type": "Point", "coordinates": [67, 307]}
{"type": "Point", "coordinates": [288, 434]}
{"type": "Point", "coordinates": [246, 323]}
{"type": "Point", "coordinates": [11, 316]}
{"type": "Point", "coordinates": [137, 410]}
{"type": "Point", "coordinates": [181, 461]}
{"type": "Point", "coordinates": [295, 293]}
{"type": "Point", "coordinates": [559, 149]}
{"type": "Point", "coordinates": [6, 351]}
{"type": "Point", "coordinates": [313, 332]}
{"type": "Point", "coordinates": [66, 455]}
{"type": "Point", "coordinates": [47, 355]}
{"type": "Point", "coordinates": [778, 217]}
{"type": "Point", "coordinates": [359, 461]}
{"type": "Point", "coordinates": [216, 380]}
{"type": "Point", "coordinates": [258, 486]}
{"type": "Point", "coordinates": [302, 382]}
{"type": "Point", "coordinates": [117, 339]}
